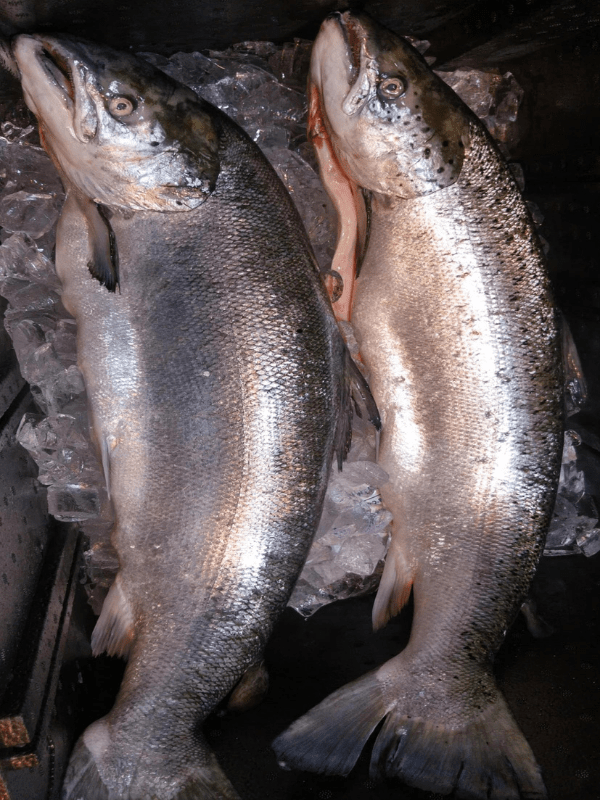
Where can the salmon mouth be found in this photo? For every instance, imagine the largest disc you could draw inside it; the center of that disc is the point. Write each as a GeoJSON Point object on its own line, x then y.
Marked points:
{"type": "Point", "coordinates": [354, 34]}
{"type": "Point", "coordinates": [58, 69]}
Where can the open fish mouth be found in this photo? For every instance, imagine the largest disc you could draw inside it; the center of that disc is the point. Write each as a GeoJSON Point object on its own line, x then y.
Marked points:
{"type": "Point", "coordinates": [354, 35]}
{"type": "Point", "coordinates": [58, 69]}
{"type": "Point", "coordinates": [47, 71]}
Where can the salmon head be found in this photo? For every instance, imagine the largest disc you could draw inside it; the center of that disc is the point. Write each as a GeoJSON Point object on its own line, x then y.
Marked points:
{"type": "Point", "coordinates": [117, 128]}
{"type": "Point", "coordinates": [393, 125]}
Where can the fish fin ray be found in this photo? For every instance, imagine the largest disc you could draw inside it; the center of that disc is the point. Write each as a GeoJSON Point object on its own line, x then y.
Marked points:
{"type": "Point", "coordinates": [105, 450]}
{"type": "Point", "coordinates": [486, 759]}
{"type": "Point", "coordinates": [420, 742]}
{"type": "Point", "coordinates": [251, 688]}
{"type": "Point", "coordinates": [114, 630]}
{"type": "Point", "coordinates": [82, 779]}
{"type": "Point", "coordinates": [330, 737]}
{"type": "Point", "coordinates": [104, 260]}
{"type": "Point", "coordinates": [361, 395]}
{"type": "Point", "coordinates": [394, 588]}
{"type": "Point", "coordinates": [343, 431]}
{"type": "Point", "coordinates": [355, 392]}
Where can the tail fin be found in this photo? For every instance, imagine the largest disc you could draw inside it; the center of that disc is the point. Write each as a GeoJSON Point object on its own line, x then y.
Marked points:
{"type": "Point", "coordinates": [199, 779]}
{"type": "Point", "coordinates": [484, 758]}
{"type": "Point", "coordinates": [330, 738]}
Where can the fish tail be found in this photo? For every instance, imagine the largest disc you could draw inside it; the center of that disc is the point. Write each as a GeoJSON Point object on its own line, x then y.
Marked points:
{"type": "Point", "coordinates": [483, 757]}
{"type": "Point", "coordinates": [82, 779]}
{"type": "Point", "coordinates": [87, 779]}
{"type": "Point", "coordinates": [330, 737]}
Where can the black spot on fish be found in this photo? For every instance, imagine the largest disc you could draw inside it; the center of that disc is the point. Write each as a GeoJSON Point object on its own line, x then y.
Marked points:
{"type": "Point", "coordinates": [440, 169]}
{"type": "Point", "coordinates": [427, 152]}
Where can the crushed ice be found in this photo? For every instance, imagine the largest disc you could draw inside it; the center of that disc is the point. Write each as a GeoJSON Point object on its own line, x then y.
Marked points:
{"type": "Point", "coordinates": [261, 86]}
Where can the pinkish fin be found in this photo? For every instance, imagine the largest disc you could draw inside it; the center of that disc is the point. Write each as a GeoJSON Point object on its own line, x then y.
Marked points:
{"type": "Point", "coordinates": [114, 630]}
{"type": "Point", "coordinates": [395, 586]}
{"type": "Point", "coordinates": [349, 204]}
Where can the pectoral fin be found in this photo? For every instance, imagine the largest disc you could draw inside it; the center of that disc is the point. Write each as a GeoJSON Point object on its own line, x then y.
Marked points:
{"type": "Point", "coordinates": [103, 263]}
{"type": "Point", "coordinates": [356, 395]}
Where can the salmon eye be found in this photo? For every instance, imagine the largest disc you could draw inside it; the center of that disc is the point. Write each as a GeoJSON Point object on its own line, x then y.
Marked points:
{"type": "Point", "coordinates": [120, 106]}
{"type": "Point", "coordinates": [392, 87]}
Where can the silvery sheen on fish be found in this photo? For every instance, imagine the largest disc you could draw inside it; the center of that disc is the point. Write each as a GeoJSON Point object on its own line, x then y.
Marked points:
{"type": "Point", "coordinates": [456, 326]}
{"type": "Point", "coordinates": [218, 386]}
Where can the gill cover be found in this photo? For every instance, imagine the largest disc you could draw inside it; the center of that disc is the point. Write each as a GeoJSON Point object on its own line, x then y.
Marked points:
{"type": "Point", "coordinates": [119, 130]}
{"type": "Point", "coordinates": [395, 127]}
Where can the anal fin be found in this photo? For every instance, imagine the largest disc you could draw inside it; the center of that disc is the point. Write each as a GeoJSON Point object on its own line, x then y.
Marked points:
{"type": "Point", "coordinates": [395, 585]}
{"type": "Point", "coordinates": [114, 630]}
{"type": "Point", "coordinates": [251, 689]}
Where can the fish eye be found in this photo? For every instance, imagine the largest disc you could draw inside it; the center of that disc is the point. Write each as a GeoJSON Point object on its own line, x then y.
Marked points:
{"type": "Point", "coordinates": [120, 106]}
{"type": "Point", "coordinates": [392, 88]}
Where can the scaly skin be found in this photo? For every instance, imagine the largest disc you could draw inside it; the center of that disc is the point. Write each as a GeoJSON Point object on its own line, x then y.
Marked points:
{"type": "Point", "coordinates": [462, 350]}
{"type": "Point", "coordinates": [456, 327]}
{"type": "Point", "coordinates": [214, 374]}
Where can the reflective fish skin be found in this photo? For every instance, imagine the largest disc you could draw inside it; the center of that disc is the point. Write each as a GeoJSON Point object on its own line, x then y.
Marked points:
{"type": "Point", "coordinates": [217, 380]}
{"type": "Point", "coordinates": [456, 326]}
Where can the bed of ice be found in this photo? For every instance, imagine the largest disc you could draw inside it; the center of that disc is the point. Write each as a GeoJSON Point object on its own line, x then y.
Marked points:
{"type": "Point", "coordinates": [261, 86]}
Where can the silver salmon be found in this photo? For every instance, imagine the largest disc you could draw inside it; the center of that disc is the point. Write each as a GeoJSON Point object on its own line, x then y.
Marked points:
{"type": "Point", "coordinates": [456, 325]}
{"type": "Point", "coordinates": [218, 390]}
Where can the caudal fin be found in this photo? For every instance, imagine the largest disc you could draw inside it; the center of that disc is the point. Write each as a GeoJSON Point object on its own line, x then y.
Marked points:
{"type": "Point", "coordinates": [330, 738]}
{"type": "Point", "coordinates": [485, 757]}
{"type": "Point", "coordinates": [195, 779]}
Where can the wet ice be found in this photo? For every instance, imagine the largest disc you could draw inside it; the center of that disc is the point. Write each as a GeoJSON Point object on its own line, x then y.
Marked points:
{"type": "Point", "coordinates": [261, 86]}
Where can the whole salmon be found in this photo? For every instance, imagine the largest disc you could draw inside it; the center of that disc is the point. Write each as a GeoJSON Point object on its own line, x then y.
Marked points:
{"type": "Point", "coordinates": [218, 390]}
{"type": "Point", "coordinates": [456, 326]}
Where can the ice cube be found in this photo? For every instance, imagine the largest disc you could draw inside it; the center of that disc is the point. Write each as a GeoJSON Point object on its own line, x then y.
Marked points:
{"type": "Point", "coordinates": [33, 214]}
{"type": "Point", "coordinates": [494, 97]}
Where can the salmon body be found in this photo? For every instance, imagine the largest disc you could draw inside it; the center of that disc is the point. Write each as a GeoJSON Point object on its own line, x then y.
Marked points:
{"type": "Point", "coordinates": [456, 325]}
{"type": "Point", "coordinates": [216, 380]}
